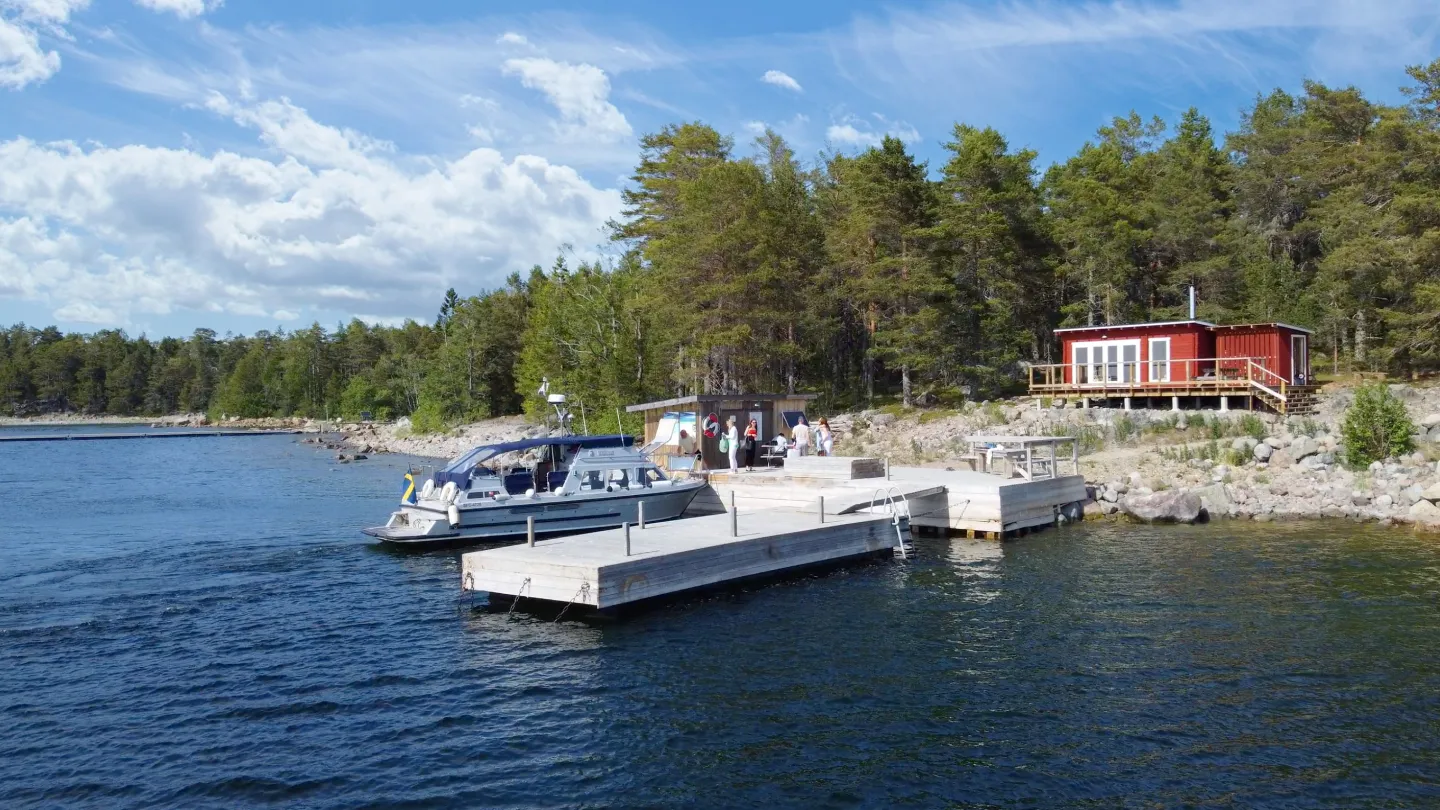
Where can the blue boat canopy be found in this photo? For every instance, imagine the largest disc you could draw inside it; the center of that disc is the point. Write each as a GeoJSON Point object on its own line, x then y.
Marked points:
{"type": "Point", "coordinates": [459, 469]}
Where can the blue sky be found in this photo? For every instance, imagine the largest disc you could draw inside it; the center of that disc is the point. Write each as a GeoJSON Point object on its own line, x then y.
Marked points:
{"type": "Point", "coordinates": [168, 164]}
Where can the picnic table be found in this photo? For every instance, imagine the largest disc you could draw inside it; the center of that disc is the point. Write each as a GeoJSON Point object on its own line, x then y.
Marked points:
{"type": "Point", "coordinates": [1020, 452]}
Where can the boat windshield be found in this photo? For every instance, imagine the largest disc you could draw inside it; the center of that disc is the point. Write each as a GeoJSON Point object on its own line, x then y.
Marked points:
{"type": "Point", "coordinates": [465, 461]}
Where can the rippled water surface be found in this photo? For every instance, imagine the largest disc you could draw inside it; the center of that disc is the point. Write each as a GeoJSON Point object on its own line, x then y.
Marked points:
{"type": "Point", "coordinates": [196, 623]}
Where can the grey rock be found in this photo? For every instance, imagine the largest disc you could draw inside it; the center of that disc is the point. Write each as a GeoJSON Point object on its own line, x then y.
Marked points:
{"type": "Point", "coordinates": [1281, 459]}
{"type": "Point", "coordinates": [1108, 508]}
{"type": "Point", "coordinates": [1360, 498]}
{"type": "Point", "coordinates": [1385, 501]}
{"type": "Point", "coordinates": [1303, 447]}
{"type": "Point", "coordinates": [1244, 444]}
{"type": "Point", "coordinates": [1263, 451]}
{"type": "Point", "coordinates": [1425, 512]}
{"type": "Point", "coordinates": [882, 419]}
{"type": "Point", "coordinates": [1215, 498]}
{"type": "Point", "coordinates": [1431, 493]}
{"type": "Point", "coordinates": [1434, 435]}
{"type": "Point", "coordinates": [1430, 421]}
{"type": "Point", "coordinates": [1093, 510]}
{"type": "Point", "coordinates": [1411, 494]}
{"type": "Point", "coordinates": [1109, 495]}
{"type": "Point", "coordinates": [1169, 506]}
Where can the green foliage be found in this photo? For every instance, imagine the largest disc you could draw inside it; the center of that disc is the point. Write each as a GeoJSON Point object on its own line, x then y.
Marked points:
{"type": "Point", "coordinates": [1253, 426]}
{"type": "Point", "coordinates": [428, 418]}
{"type": "Point", "coordinates": [1088, 438]}
{"type": "Point", "coordinates": [1125, 428]}
{"type": "Point", "coordinates": [936, 415]}
{"type": "Point", "coordinates": [1375, 426]}
{"type": "Point", "coordinates": [867, 277]}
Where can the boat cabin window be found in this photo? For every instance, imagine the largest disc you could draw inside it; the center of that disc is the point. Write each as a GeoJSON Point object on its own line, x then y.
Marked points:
{"type": "Point", "coordinates": [649, 475]}
{"type": "Point", "coordinates": [619, 478]}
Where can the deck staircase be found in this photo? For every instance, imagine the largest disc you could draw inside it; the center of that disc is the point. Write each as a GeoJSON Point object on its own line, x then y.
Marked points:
{"type": "Point", "coordinates": [1298, 400]}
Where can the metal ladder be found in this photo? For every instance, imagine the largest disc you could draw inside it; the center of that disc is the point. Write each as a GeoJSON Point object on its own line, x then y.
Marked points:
{"type": "Point", "coordinates": [901, 543]}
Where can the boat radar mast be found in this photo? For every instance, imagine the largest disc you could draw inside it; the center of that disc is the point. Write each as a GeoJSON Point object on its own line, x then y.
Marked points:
{"type": "Point", "coordinates": [559, 403]}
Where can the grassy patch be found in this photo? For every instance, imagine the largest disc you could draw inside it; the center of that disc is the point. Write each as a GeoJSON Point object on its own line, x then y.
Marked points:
{"type": "Point", "coordinates": [1125, 429]}
{"type": "Point", "coordinates": [936, 415]}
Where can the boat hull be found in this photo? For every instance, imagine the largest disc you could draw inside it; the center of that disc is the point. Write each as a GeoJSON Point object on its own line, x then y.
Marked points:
{"type": "Point", "coordinates": [427, 525]}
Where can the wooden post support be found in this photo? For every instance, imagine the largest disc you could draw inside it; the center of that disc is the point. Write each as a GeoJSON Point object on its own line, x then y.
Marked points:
{"type": "Point", "coordinates": [887, 468]}
{"type": "Point", "coordinates": [822, 508]}
{"type": "Point", "coordinates": [640, 514]}
{"type": "Point", "coordinates": [530, 531]}
{"type": "Point", "coordinates": [734, 517]}
{"type": "Point", "coordinates": [627, 539]}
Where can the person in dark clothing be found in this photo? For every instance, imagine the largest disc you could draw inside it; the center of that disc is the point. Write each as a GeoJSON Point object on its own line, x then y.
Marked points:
{"type": "Point", "coordinates": [752, 442]}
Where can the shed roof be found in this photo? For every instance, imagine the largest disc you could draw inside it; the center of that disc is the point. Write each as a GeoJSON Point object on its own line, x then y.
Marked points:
{"type": "Point", "coordinates": [1130, 326]}
{"type": "Point", "coordinates": [695, 399]}
{"type": "Point", "coordinates": [1263, 325]}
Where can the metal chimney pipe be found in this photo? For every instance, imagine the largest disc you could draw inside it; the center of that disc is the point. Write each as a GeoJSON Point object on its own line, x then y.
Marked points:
{"type": "Point", "coordinates": [1192, 302]}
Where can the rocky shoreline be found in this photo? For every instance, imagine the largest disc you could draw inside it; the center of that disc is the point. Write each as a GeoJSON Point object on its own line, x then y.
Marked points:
{"type": "Point", "coordinates": [1148, 465]}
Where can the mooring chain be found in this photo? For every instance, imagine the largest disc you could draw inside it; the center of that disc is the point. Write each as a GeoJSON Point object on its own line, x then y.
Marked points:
{"type": "Point", "coordinates": [584, 591]}
{"type": "Point", "coordinates": [518, 591]}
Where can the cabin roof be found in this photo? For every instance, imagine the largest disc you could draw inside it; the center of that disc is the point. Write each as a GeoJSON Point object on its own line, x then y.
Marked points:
{"type": "Point", "coordinates": [1131, 326]}
{"type": "Point", "coordinates": [1205, 324]}
{"type": "Point", "coordinates": [695, 399]}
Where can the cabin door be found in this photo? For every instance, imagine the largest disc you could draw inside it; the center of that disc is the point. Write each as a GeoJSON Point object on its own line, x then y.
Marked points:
{"type": "Point", "coordinates": [1299, 360]}
{"type": "Point", "coordinates": [1107, 362]}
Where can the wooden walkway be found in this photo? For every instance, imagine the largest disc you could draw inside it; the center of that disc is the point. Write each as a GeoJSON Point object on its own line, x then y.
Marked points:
{"type": "Point", "coordinates": [186, 434]}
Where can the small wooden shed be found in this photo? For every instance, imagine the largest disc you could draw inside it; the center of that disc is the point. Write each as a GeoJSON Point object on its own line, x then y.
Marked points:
{"type": "Point", "coordinates": [774, 412]}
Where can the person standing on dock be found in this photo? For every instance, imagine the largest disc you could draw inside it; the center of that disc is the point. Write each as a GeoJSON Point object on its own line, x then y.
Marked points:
{"type": "Point", "coordinates": [801, 434]}
{"type": "Point", "coordinates": [732, 443]}
{"type": "Point", "coordinates": [825, 438]}
{"type": "Point", "coordinates": [752, 439]}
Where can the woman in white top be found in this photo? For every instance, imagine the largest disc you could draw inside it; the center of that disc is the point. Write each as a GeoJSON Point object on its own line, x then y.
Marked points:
{"type": "Point", "coordinates": [732, 439]}
{"type": "Point", "coordinates": [825, 438]}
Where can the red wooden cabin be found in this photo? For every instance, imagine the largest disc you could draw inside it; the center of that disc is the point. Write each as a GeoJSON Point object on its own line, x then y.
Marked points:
{"type": "Point", "coordinates": [1264, 363]}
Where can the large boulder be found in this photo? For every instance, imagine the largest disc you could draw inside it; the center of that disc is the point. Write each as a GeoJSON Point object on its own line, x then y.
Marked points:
{"type": "Point", "coordinates": [1303, 446]}
{"type": "Point", "coordinates": [1262, 451]}
{"type": "Point", "coordinates": [1281, 459]}
{"type": "Point", "coordinates": [1214, 499]}
{"type": "Point", "coordinates": [1432, 493]}
{"type": "Point", "coordinates": [1244, 444]}
{"type": "Point", "coordinates": [1169, 506]}
{"type": "Point", "coordinates": [1433, 420]}
{"type": "Point", "coordinates": [1425, 512]}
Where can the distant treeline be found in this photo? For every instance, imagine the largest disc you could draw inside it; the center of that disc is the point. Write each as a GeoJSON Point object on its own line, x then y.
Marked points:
{"type": "Point", "coordinates": [867, 277]}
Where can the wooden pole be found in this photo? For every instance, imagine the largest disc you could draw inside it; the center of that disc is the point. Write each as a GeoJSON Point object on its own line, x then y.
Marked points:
{"type": "Point", "coordinates": [640, 516]}
{"type": "Point", "coordinates": [627, 539]}
{"type": "Point", "coordinates": [530, 531]}
{"type": "Point", "coordinates": [822, 508]}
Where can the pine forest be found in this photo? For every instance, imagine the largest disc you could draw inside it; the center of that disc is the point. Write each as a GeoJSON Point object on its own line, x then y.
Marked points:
{"type": "Point", "coordinates": [865, 278]}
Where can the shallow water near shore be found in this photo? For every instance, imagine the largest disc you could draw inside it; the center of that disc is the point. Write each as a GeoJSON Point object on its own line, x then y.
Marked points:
{"type": "Point", "coordinates": [197, 623]}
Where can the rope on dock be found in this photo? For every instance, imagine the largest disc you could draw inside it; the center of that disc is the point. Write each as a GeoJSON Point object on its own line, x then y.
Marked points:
{"type": "Point", "coordinates": [584, 589]}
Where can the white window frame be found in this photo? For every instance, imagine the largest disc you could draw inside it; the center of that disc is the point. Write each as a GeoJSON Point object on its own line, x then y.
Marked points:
{"type": "Point", "coordinates": [1099, 365]}
{"type": "Point", "coordinates": [1154, 365]}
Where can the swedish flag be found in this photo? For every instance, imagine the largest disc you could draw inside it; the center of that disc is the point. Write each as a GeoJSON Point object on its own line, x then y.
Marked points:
{"type": "Point", "coordinates": [409, 495]}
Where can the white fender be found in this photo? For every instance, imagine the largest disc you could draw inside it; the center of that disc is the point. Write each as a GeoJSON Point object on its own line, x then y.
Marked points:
{"type": "Point", "coordinates": [427, 490]}
{"type": "Point", "coordinates": [454, 514]}
{"type": "Point", "coordinates": [447, 494]}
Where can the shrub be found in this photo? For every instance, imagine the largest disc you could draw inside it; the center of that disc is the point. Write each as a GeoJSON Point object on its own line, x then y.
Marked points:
{"type": "Point", "coordinates": [427, 418]}
{"type": "Point", "coordinates": [1088, 438]}
{"type": "Point", "coordinates": [1253, 426]}
{"type": "Point", "coordinates": [1376, 426]}
{"type": "Point", "coordinates": [995, 413]}
{"type": "Point", "coordinates": [1125, 428]}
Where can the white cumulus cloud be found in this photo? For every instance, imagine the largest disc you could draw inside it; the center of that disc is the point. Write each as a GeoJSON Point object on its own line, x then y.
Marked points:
{"type": "Point", "coordinates": [511, 38]}
{"type": "Point", "coordinates": [781, 79]}
{"type": "Point", "coordinates": [184, 9]}
{"type": "Point", "coordinates": [580, 92]}
{"type": "Point", "coordinates": [331, 220]}
{"type": "Point", "coordinates": [854, 131]}
{"type": "Point", "coordinates": [23, 60]}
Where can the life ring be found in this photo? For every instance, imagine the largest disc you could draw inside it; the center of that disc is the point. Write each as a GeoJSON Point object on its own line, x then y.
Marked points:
{"type": "Point", "coordinates": [427, 490]}
{"type": "Point", "coordinates": [447, 494]}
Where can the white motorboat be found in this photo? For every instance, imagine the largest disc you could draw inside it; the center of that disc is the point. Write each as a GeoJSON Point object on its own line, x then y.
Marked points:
{"type": "Point", "coordinates": [576, 484]}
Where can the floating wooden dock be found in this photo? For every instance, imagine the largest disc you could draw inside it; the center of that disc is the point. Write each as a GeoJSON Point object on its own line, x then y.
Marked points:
{"type": "Point", "coordinates": [779, 528]}
{"type": "Point", "coordinates": [186, 434]}
{"type": "Point", "coordinates": [596, 571]}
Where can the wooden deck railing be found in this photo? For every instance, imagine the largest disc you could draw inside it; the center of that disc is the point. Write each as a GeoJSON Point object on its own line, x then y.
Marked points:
{"type": "Point", "coordinates": [1206, 373]}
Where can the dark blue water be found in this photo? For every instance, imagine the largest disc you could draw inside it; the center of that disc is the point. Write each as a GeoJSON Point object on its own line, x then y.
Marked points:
{"type": "Point", "coordinates": [195, 623]}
